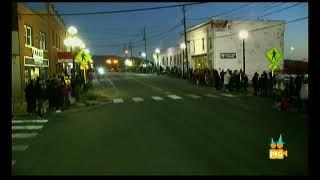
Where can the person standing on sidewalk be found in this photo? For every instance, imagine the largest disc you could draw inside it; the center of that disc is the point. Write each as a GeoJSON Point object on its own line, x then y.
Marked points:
{"type": "Point", "coordinates": [244, 82]}
{"type": "Point", "coordinates": [222, 73]}
{"type": "Point", "coordinates": [30, 98]}
{"type": "Point", "coordinates": [255, 83]}
{"type": "Point", "coordinates": [41, 98]}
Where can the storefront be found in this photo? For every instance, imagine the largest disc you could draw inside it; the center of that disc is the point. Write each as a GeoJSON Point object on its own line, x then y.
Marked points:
{"type": "Point", "coordinates": [34, 69]}
{"type": "Point", "coordinates": [35, 66]}
{"type": "Point", "coordinates": [200, 61]}
{"type": "Point", "coordinates": [66, 60]}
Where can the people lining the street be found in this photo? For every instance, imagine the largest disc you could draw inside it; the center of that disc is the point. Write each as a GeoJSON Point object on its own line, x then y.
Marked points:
{"type": "Point", "coordinates": [52, 93]}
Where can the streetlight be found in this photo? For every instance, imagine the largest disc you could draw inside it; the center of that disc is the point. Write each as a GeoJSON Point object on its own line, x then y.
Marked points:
{"type": "Point", "coordinates": [87, 51]}
{"type": "Point", "coordinates": [73, 41]}
{"type": "Point", "coordinates": [243, 34]}
{"type": "Point", "coordinates": [183, 47]}
{"type": "Point", "coordinates": [158, 52]}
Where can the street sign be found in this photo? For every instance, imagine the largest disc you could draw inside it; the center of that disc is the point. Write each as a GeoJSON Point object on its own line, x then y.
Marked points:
{"type": "Point", "coordinates": [228, 55]}
{"type": "Point", "coordinates": [273, 66]}
{"type": "Point", "coordinates": [274, 55]}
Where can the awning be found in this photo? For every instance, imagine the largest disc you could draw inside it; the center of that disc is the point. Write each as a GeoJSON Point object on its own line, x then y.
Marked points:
{"type": "Point", "coordinates": [65, 57]}
{"type": "Point", "coordinates": [199, 55]}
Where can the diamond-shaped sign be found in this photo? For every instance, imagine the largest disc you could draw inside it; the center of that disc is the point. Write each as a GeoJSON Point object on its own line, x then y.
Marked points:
{"type": "Point", "coordinates": [274, 55]}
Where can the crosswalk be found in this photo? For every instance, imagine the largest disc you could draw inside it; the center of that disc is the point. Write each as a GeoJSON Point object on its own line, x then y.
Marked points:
{"type": "Point", "coordinates": [172, 97]}
{"type": "Point", "coordinates": [23, 131]}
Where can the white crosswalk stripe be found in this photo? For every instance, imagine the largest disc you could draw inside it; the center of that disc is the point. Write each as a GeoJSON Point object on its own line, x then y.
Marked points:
{"type": "Point", "coordinates": [212, 95]}
{"type": "Point", "coordinates": [117, 100]}
{"type": "Point", "coordinates": [137, 99]}
{"type": "Point", "coordinates": [24, 135]}
{"type": "Point", "coordinates": [19, 147]}
{"type": "Point", "coordinates": [26, 127]}
{"type": "Point", "coordinates": [194, 96]}
{"type": "Point", "coordinates": [157, 98]}
{"type": "Point", "coordinates": [30, 121]}
{"type": "Point", "coordinates": [174, 97]}
{"type": "Point", "coordinates": [229, 95]}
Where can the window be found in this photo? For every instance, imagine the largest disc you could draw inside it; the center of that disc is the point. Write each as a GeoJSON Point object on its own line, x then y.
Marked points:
{"type": "Point", "coordinates": [42, 40]}
{"type": "Point", "coordinates": [28, 35]}
{"type": "Point", "coordinates": [210, 41]}
{"type": "Point", "coordinates": [162, 61]}
{"type": "Point", "coordinates": [170, 60]}
{"type": "Point", "coordinates": [202, 43]}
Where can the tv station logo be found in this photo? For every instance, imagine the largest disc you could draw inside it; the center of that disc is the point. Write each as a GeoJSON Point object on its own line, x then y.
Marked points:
{"type": "Point", "coordinates": [277, 151]}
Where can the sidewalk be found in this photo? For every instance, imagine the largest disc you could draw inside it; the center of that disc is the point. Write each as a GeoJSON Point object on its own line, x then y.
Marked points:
{"type": "Point", "coordinates": [19, 107]}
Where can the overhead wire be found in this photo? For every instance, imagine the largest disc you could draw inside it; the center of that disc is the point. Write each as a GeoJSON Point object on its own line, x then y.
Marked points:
{"type": "Point", "coordinates": [113, 12]}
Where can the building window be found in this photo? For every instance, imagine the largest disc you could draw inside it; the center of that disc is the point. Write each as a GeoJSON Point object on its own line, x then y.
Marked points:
{"type": "Point", "coordinates": [210, 42]}
{"type": "Point", "coordinates": [42, 40]}
{"type": "Point", "coordinates": [28, 35]}
{"type": "Point", "coordinates": [202, 43]}
{"type": "Point", "coordinates": [170, 60]}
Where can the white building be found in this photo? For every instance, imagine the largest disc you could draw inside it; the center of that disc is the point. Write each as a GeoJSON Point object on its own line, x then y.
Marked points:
{"type": "Point", "coordinates": [216, 44]}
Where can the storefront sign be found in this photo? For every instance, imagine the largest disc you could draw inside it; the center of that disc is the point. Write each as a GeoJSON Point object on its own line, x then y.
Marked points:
{"type": "Point", "coordinates": [228, 55]}
{"type": "Point", "coordinates": [219, 25]}
{"type": "Point", "coordinates": [37, 55]}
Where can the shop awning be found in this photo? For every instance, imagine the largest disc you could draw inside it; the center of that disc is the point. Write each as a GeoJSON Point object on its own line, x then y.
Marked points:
{"type": "Point", "coordinates": [199, 55]}
{"type": "Point", "coordinates": [65, 57]}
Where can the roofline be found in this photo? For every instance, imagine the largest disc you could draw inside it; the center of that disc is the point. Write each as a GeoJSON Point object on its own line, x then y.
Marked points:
{"type": "Point", "coordinates": [208, 21]}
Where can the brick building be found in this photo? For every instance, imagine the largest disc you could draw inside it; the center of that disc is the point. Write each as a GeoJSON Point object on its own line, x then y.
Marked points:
{"type": "Point", "coordinates": [40, 39]}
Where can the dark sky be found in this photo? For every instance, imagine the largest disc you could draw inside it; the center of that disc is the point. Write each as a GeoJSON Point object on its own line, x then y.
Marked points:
{"type": "Point", "coordinates": [107, 33]}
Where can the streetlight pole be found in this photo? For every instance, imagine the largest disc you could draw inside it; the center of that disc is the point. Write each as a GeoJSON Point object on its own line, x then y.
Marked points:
{"type": "Point", "coordinates": [243, 34]}
{"type": "Point", "coordinates": [244, 57]}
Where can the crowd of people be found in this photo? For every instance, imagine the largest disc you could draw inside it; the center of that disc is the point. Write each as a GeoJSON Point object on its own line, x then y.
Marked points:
{"type": "Point", "coordinates": [286, 90]}
{"type": "Point", "coordinates": [52, 93]}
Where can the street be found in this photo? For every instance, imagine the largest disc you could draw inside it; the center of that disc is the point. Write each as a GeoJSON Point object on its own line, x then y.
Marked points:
{"type": "Point", "coordinates": [156, 125]}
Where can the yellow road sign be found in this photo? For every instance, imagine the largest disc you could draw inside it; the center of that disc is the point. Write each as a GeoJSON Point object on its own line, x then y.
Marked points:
{"type": "Point", "coordinates": [273, 66]}
{"type": "Point", "coordinates": [274, 55]}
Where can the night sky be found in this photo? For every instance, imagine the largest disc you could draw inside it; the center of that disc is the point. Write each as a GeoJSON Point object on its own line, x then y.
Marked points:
{"type": "Point", "coordinates": [107, 33]}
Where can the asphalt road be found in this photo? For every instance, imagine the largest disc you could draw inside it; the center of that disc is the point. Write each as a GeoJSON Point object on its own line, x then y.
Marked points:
{"type": "Point", "coordinates": [171, 127]}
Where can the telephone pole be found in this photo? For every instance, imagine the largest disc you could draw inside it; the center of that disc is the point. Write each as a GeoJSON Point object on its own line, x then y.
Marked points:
{"type": "Point", "coordinates": [130, 50]}
{"type": "Point", "coordinates": [185, 35]}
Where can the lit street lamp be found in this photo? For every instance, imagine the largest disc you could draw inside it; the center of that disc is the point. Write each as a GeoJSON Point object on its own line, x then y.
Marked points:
{"type": "Point", "coordinates": [157, 51]}
{"type": "Point", "coordinates": [243, 34]}
{"type": "Point", "coordinates": [182, 47]}
{"type": "Point", "coordinates": [73, 41]}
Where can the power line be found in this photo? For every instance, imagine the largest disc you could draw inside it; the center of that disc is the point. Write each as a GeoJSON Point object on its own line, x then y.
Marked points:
{"type": "Point", "coordinates": [224, 13]}
{"type": "Point", "coordinates": [118, 11]}
{"type": "Point", "coordinates": [275, 5]}
{"type": "Point", "coordinates": [280, 10]}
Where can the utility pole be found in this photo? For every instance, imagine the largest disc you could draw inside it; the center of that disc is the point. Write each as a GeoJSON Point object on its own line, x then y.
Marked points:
{"type": "Point", "coordinates": [145, 42]}
{"type": "Point", "coordinates": [130, 50]}
{"type": "Point", "coordinates": [185, 34]}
